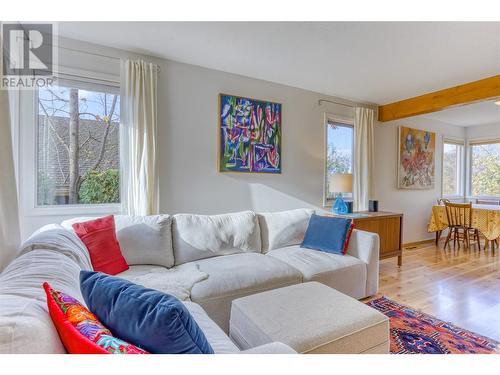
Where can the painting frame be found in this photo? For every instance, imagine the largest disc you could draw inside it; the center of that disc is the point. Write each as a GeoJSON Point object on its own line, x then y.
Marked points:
{"type": "Point", "coordinates": [221, 144]}
{"type": "Point", "coordinates": [414, 148]}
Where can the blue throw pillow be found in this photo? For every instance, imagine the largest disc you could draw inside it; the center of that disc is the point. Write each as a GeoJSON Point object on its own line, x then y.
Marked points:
{"type": "Point", "coordinates": [328, 234]}
{"type": "Point", "coordinates": [153, 320]}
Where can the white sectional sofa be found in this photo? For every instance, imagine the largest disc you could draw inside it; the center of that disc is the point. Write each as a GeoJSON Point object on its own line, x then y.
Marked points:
{"type": "Point", "coordinates": [242, 253]}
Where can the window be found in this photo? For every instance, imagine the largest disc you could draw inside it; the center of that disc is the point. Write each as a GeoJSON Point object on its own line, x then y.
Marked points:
{"type": "Point", "coordinates": [77, 144]}
{"type": "Point", "coordinates": [453, 167]}
{"type": "Point", "coordinates": [485, 169]}
{"type": "Point", "coordinates": [339, 153]}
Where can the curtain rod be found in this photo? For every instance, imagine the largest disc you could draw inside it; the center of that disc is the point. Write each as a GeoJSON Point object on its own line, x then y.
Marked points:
{"type": "Point", "coordinates": [101, 55]}
{"type": "Point", "coordinates": [333, 102]}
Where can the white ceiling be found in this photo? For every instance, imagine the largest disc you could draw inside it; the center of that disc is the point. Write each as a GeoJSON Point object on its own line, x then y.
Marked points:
{"type": "Point", "coordinates": [481, 113]}
{"type": "Point", "coordinates": [373, 62]}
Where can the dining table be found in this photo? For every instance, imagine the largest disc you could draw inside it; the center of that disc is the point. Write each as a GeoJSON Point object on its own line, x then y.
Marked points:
{"type": "Point", "coordinates": [485, 218]}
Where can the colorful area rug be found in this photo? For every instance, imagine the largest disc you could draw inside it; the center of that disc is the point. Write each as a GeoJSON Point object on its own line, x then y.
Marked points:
{"type": "Point", "coordinates": [413, 332]}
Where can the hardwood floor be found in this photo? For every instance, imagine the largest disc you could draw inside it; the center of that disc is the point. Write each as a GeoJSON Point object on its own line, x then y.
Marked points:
{"type": "Point", "coordinates": [458, 286]}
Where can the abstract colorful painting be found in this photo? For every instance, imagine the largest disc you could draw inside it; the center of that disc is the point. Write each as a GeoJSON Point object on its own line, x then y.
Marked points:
{"type": "Point", "coordinates": [416, 158]}
{"type": "Point", "coordinates": [250, 135]}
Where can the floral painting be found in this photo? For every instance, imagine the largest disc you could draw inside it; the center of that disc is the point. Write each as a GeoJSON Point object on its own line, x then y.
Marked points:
{"type": "Point", "coordinates": [416, 165]}
{"type": "Point", "coordinates": [249, 135]}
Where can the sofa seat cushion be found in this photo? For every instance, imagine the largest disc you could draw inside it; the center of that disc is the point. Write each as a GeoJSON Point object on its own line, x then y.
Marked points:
{"type": "Point", "coordinates": [218, 340]}
{"type": "Point", "coordinates": [137, 271]}
{"type": "Point", "coordinates": [177, 281]}
{"type": "Point", "coordinates": [237, 275]}
{"type": "Point", "coordinates": [345, 273]}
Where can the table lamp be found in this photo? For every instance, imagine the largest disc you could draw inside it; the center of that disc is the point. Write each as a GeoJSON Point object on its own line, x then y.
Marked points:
{"type": "Point", "coordinates": [340, 183]}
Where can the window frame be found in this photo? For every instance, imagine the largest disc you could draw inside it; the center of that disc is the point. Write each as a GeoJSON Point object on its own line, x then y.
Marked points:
{"type": "Point", "coordinates": [461, 168]}
{"type": "Point", "coordinates": [470, 143]}
{"type": "Point", "coordinates": [28, 159]}
{"type": "Point", "coordinates": [342, 121]}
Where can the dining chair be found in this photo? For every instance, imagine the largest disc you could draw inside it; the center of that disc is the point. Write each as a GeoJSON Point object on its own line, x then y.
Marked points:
{"type": "Point", "coordinates": [441, 201]}
{"type": "Point", "coordinates": [459, 217]}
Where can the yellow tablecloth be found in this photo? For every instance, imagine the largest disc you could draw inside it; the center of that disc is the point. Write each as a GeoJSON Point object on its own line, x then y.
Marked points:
{"type": "Point", "coordinates": [486, 218]}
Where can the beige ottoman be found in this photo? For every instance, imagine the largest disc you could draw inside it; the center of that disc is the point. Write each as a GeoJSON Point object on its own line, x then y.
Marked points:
{"type": "Point", "coordinates": [310, 318]}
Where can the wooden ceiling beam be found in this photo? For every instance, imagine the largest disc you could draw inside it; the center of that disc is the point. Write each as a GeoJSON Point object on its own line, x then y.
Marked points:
{"type": "Point", "coordinates": [488, 88]}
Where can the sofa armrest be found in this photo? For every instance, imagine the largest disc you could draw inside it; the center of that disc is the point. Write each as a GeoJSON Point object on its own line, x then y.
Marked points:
{"type": "Point", "coordinates": [365, 246]}
{"type": "Point", "coordinates": [271, 348]}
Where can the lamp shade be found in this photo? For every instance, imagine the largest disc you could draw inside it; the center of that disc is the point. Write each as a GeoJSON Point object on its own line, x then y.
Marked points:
{"type": "Point", "coordinates": [340, 183]}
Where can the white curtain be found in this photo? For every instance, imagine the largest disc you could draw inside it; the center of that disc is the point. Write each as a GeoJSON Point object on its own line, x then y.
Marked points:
{"type": "Point", "coordinates": [139, 128]}
{"type": "Point", "coordinates": [363, 157]}
{"type": "Point", "coordinates": [9, 215]}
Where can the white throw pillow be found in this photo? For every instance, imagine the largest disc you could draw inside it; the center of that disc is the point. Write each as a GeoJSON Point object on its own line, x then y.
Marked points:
{"type": "Point", "coordinates": [143, 239]}
{"type": "Point", "coordinates": [285, 228]}
{"type": "Point", "coordinates": [68, 224]}
{"type": "Point", "coordinates": [202, 236]}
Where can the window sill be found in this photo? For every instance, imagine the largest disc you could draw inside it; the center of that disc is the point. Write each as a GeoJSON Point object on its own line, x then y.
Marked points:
{"type": "Point", "coordinates": [485, 197]}
{"type": "Point", "coordinates": [75, 210]}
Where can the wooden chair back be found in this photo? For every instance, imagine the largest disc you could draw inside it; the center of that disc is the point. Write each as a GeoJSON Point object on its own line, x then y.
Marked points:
{"type": "Point", "coordinates": [459, 214]}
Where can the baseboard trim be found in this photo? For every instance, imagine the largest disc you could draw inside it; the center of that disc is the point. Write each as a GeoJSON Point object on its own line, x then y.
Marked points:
{"type": "Point", "coordinates": [411, 245]}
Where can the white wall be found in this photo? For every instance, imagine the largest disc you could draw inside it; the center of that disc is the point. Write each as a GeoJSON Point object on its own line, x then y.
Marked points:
{"type": "Point", "coordinates": [414, 204]}
{"type": "Point", "coordinates": [189, 178]}
{"type": "Point", "coordinates": [188, 154]}
{"type": "Point", "coordinates": [483, 131]}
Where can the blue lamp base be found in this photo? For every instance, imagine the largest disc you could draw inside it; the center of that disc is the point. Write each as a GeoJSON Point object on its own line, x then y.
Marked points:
{"type": "Point", "coordinates": [339, 207]}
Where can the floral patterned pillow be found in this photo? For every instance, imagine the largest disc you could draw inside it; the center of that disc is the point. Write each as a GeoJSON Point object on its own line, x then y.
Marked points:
{"type": "Point", "coordinates": [80, 331]}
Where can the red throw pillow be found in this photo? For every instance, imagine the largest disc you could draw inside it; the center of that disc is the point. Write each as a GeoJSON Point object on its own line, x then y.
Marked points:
{"type": "Point", "coordinates": [100, 238]}
{"type": "Point", "coordinates": [80, 331]}
{"type": "Point", "coordinates": [348, 238]}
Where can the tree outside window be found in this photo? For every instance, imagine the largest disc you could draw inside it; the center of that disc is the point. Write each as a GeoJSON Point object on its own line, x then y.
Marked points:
{"type": "Point", "coordinates": [485, 169]}
{"type": "Point", "coordinates": [339, 157]}
{"type": "Point", "coordinates": [452, 168]}
{"type": "Point", "coordinates": [78, 144]}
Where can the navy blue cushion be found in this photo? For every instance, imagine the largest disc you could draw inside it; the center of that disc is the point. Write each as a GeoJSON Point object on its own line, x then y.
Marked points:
{"type": "Point", "coordinates": [155, 321]}
{"type": "Point", "coordinates": [326, 233]}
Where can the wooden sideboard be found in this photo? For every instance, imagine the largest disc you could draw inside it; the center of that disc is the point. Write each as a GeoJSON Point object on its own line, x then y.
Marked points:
{"type": "Point", "coordinates": [389, 227]}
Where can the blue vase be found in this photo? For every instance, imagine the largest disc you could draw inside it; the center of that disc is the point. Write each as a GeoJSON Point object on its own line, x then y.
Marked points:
{"type": "Point", "coordinates": [339, 207]}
